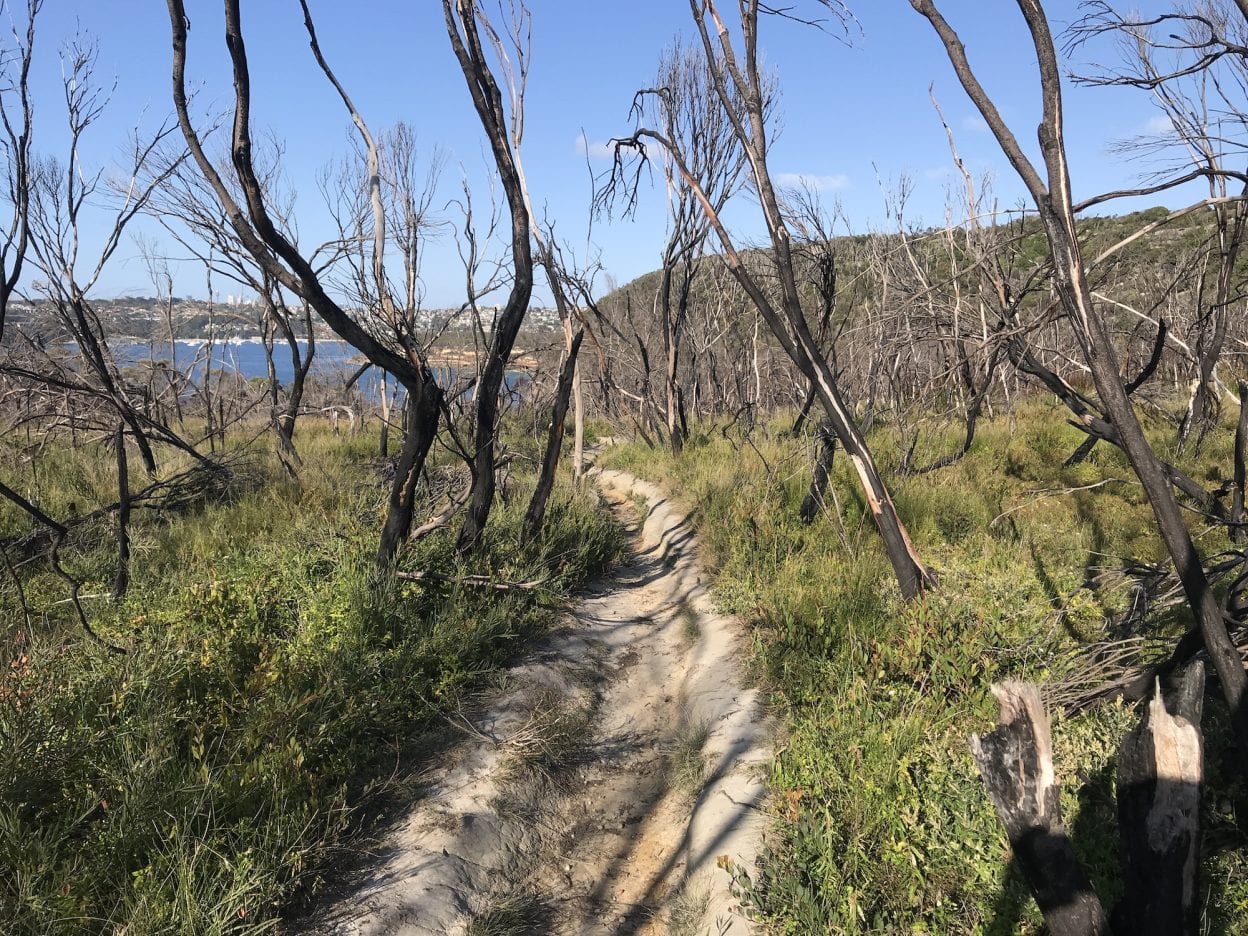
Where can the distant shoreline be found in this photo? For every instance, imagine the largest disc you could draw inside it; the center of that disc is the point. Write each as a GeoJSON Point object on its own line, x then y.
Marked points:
{"type": "Point", "coordinates": [455, 358]}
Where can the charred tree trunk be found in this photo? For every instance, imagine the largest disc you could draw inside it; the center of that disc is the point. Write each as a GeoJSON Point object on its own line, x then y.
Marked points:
{"type": "Point", "coordinates": [813, 502]}
{"type": "Point", "coordinates": [1016, 761]}
{"type": "Point", "coordinates": [122, 580]}
{"type": "Point", "coordinates": [301, 366]}
{"type": "Point", "coordinates": [280, 259]}
{"type": "Point", "coordinates": [1238, 534]}
{"type": "Point", "coordinates": [1159, 345]}
{"type": "Point", "coordinates": [739, 87]}
{"type": "Point", "coordinates": [804, 413]}
{"type": "Point", "coordinates": [1160, 776]}
{"type": "Point", "coordinates": [535, 515]}
{"type": "Point", "coordinates": [1053, 201]}
{"type": "Point", "coordinates": [1205, 404]}
{"type": "Point", "coordinates": [422, 413]}
{"type": "Point", "coordinates": [461, 24]}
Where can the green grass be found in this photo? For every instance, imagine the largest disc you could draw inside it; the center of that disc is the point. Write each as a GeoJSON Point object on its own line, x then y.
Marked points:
{"type": "Point", "coordinates": [198, 782]}
{"type": "Point", "coordinates": [516, 915]}
{"type": "Point", "coordinates": [883, 825]}
{"type": "Point", "coordinates": [687, 762]}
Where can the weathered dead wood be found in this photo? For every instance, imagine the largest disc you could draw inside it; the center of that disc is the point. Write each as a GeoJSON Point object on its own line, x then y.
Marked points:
{"type": "Point", "coordinates": [122, 580]}
{"type": "Point", "coordinates": [1147, 371]}
{"type": "Point", "coordinates": [1236, 519]}
{"type": "Point", "coordinates": [462, 17]}
{"type": "Point", "coordinates": [421, 417]}
{"type": "Point", "coordinates": [279, 258]}
{"type": "Point", "coordinates": [1052, 197]}
{"type": "Point", "coordinates": [812, 503]}
{"type": "Point", "coordinates": [476, 581]}
{"type": "Point", "coordinates": [746, 96]}
{"type": "Point", "coordinates": [1160, 775]}
{"type": "Point", "coordinates": [536, 512]}
{"type": "Point", "coordinates": [1016, 762]}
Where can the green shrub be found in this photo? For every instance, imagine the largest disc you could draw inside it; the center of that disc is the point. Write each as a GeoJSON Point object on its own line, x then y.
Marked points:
{"type": "Point", "coordinates": [883, 825]}
{"type": "Point", "coordinates": [196, 783]}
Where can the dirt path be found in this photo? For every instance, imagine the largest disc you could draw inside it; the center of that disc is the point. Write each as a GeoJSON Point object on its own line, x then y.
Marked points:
{"type": "Point", "coordinates": [599, 783]}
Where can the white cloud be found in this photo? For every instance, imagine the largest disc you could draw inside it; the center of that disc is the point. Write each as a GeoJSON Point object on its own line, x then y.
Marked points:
{"type": "Point", "coordinates": [974, 123]}
{"type": "Point", "coordinates": [820, 183]}
{"type": "Point", "coordinates": [1158, 125]}
{"type": "Point", "coordinates": [596, 150]}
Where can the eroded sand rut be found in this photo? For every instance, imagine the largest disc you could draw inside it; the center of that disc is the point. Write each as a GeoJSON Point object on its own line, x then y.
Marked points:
{"type": "Point", "coordinates": [598, 784]}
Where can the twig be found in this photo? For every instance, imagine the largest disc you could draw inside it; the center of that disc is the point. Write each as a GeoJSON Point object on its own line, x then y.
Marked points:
{"type": "Point", "coordinates": [1052, 492]}
{"type": "Point", "coordinates": [480, 581]}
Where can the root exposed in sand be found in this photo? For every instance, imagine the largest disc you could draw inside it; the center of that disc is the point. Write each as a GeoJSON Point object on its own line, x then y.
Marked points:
{"type": "Point", "coordinates": [598, 785]}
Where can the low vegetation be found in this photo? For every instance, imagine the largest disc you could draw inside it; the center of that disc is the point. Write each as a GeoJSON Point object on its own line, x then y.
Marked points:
{"type": "Point", "coordinates": [271, 686]}
{"type": "Point", "coordinates": [885, 825]}
{"type": "Point", "coordinates": [217, 659]}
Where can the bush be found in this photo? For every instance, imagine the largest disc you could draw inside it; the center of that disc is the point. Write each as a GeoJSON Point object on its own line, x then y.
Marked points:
{"type": "Point", "coordinates": [883, 825]}
{"type": "Point", "coordinates": [196, 783]}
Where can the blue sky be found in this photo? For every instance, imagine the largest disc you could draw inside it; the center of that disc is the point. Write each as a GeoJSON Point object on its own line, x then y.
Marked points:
{"type": "Point", "coordinates": [855, 113]}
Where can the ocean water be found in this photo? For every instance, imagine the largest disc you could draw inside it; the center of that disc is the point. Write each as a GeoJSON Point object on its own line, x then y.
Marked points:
{"type": "Point", "coordinates": [334, 361]}
{"type": "Point", "coordinates": [245, 357]}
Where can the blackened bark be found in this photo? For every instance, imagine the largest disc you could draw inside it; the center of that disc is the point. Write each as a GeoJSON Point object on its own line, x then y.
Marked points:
{"type": "Point", "coordinates": [1053, 201]}
{"type": "Point", "coordinates": [301, 366]}
{"type": "Point", "coordinates": [461, 25]}
{"type": "Point", "coordinates": [1238, 533]}
{"type": "Point", "coordinates": [1016, 762]}
{"type": "Point", "coordinates": [422, 414]}
{"type": "Point", "coordinates": [282, 261]}
{"type": "Point", "coordinates": [739, 86]}
{"type": "Point", "coordinates": [1160, 777]}
{"type": "Point", "coordinates": [813, 501]}
{"type": "Point", "coordinates": [122, 580]}
{"type": "Point", "coordinates": [535, 515]}
{"type": "Point", "coordinates": [1085, 448]}
{"type": "Point", "coordinates": [804, 413]}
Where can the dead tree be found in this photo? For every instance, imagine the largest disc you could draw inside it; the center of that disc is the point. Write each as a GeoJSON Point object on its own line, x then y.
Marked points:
{"type": "Point", "coordinates": [16, 117]}
{"type": "Point", "coordinates": [1199, 90]}
{"type": "Point", "coordinates": [817, 253]}
{"type": "Point", "coordinates": [1016, 762]}
{"type": "Point", "coordinates": [535, 515]}
{"type": "Point", "coordinates": [562, 281]}
{"type": "Point", "coordinates": [812, 503]}
{"type": "Point", "coordinates": [64, 195]}
{"type": "Point", "coordinates": [743, 93]}
{"type": "Point", "coordinates": [1159, 784]}
{"type": "Point", "coordinates": [1053, 199]}
{"type": "Point", "coordinates": [253, 223]}
{"type": "Point", "coordinates": [461, 24]}
{"type": "Point", "coordinates": [188, 209]}
{"type": "Point", "coordinates": [683, 103]}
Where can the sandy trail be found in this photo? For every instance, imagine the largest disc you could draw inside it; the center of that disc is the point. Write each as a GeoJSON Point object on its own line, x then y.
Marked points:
{"type": "Point", "coordinates": [599, 783]}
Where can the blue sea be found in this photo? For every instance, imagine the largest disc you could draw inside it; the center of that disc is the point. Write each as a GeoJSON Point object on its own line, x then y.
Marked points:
{"type": "Point", "coordinates": [244, 357]}
{"type": "Point", "coordinates": [334, 362]}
